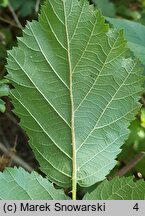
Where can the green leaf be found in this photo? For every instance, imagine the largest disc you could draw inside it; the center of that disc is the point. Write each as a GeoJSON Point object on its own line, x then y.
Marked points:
{"type": "Point", "coordinates": [107, 7]}
{"type": "Point", "coordinates": [134, 34]}
{"type": "Point", "coordinates": [3, 3]}
{"type": "Point", "coordinates": [17, 184]}
{"type": "Point", "coordinates": [2, 106]}
{"type": "Point", "coordinates": [118, 189]}
{"type": "Point", "coordinates": [4, 91]}
{"type": "Point", "coordinates": [24, 7]}
{"type": "Point", "coordinates": [75, 91]}
{"type": "Point", "coordinates": [4, 88]}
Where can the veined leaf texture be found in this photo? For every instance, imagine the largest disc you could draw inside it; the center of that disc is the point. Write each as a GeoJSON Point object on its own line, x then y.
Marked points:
{"type": "Point", "coordinates": [17, 184]}
{"type": "Point", "coordinates": [118, 189]}
{"type": "Point", "coordinates": [134, 34]}
{"type": "Point", "coordinates": [75, 91]}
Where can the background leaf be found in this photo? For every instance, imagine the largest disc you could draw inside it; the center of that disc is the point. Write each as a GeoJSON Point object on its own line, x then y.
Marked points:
{"type": "Point", "coordinates": [75, 87]}
{"type": "Point", "coordinates": [4, 91]}
{"type": "Point", "coordinates": [118, 189]}
{"type": "Point", "coordinates": [107, 7]}
{"type": "Point", "coordinates": [134, 33]}
{"type": "Point", "coordinates": [3, 3]}
{"type": "Point", "coordinates": [25, 8]}
{"type": "Point", "coordinates": [17, 184]}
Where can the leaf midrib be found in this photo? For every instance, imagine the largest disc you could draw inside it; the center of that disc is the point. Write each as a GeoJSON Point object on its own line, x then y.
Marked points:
{"type": "Point", "coordinates": [74, 163]}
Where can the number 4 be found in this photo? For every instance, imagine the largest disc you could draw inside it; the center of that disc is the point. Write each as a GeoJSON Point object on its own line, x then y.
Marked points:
{"type": "Point", "coordinates": [136, 207]}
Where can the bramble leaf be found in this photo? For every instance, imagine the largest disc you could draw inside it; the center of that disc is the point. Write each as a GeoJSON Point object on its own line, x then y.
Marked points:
{"type": "Point", "coordinates": [75, 91]}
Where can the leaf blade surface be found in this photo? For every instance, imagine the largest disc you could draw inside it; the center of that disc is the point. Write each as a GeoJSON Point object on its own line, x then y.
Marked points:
{"type": "Point", "coordinates": [17, 184]}
{"type": "Point", "coordinates": [118, 189]}
{"type": "Point", "coordinates": [134, 34]}
{"type": "Point", "coordinates": [74, 87]}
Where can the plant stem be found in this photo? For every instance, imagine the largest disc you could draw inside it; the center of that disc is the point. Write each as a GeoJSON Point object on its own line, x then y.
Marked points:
{"type": "Point", "coordinates": [15, 16]}
{"type": "Point", "coordinates": [9, 22]}
{"type": "Point", "coordinates": [131, 164]}
{"type": "Point", "coordinates": [37, 6]}
{"type": "Point", "coordinates": [15, 158]}
{"type": "Point", "coordinates": [74, 165]}
{"type": "Point", "coordinates": [74, 168]}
